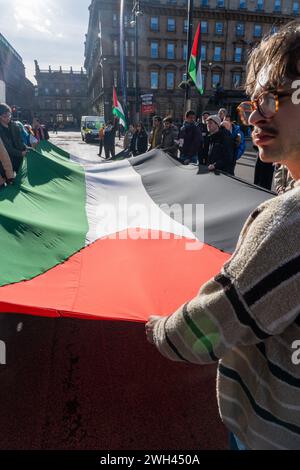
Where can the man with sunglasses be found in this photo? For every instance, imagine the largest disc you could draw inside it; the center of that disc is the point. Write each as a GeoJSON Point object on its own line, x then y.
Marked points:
{"type": "Point", "coordinates": [247, 317]}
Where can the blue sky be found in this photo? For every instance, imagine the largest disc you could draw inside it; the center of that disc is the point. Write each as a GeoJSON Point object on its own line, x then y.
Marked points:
{"type": "Point", "coordinates": [51, 31]}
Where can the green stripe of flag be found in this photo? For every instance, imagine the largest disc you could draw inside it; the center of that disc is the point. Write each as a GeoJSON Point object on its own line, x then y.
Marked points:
{"type": "Point", "coordinates": [43, 218]}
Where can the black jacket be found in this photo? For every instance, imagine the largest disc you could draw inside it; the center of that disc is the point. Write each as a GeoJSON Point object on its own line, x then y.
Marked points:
{"type": "Point", "coordinates": [12, 140]}
{"type": "Point", "coordinates": [139, 143]}
{"type": "Point", "coordinates": [192, 139]}
{"type": "Point", "coordinates": [110, 134]}
{"type": "Point", "coordinates": [219, 150]}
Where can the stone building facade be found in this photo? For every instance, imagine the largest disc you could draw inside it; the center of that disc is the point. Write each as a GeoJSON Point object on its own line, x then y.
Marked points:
{"type": "Point", "coordinates": [15, 89]}
{"type": "Point", "coordinates": [229, 29]}
{"type": "Point", "coordinates": [60, 96]}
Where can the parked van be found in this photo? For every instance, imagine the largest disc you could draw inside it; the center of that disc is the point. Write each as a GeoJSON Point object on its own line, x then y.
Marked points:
{"type": "Point", "coordinates": [90, 126]}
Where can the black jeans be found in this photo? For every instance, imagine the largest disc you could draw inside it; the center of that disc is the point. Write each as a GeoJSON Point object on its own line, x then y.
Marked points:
{"type": "Point", "coordinates": [109, 150]}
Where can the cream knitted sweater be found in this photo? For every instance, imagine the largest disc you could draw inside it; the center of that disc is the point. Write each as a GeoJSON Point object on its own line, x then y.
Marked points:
{"type": "Point", "coordinates": [247, 318]}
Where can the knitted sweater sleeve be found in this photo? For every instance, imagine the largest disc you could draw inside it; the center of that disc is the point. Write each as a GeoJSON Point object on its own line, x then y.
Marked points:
{"type": "Point", "coordinates": [256, 294]}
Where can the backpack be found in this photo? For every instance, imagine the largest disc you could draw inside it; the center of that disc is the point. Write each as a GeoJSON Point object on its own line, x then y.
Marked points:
{"type": "Point", "coordinates": [239, 142]}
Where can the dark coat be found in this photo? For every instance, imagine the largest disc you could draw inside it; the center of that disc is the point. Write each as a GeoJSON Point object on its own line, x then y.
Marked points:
{"type": "Point", "coordinates": [168, 144]}
{"type": "Point", "coordinates": [192, 139]}
{"type": "Point", "coordinates": [219, 150]}
{"type": "Point", "coordinates": [110, 134]}
{"type": "Point", "coordinates": [139, 143]}
{"type": "Point", "coordinates": [12, 140]}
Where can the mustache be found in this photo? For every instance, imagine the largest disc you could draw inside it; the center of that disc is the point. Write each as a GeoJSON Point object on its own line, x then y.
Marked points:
{"type": "Point", "coordinates": [267, 130]}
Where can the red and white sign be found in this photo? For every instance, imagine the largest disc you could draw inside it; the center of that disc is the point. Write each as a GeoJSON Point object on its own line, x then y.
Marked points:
{"type": "Point", "coordinates": [147, 108]}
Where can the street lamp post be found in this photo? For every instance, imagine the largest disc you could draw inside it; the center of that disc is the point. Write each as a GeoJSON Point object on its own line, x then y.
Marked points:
{"type": "Point", "coordinates": [136, 12]}
{"type": "Point", "coordinates": [189, 48]}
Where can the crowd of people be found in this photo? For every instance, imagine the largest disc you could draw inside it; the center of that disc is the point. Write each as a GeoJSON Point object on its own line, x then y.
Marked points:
{"type": "Point", "coordinates": [212, 140]}
{"type": "Point", "coordinates": [16, 138]}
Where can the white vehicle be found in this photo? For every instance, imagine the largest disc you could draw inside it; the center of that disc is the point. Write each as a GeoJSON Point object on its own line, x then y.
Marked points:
{"type": "Point", "coordinates": [90, 126]}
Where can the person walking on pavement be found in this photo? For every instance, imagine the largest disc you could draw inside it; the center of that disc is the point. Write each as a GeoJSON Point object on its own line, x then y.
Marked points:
{"type": "Point", "coordinates": [139, 141]}
{"type": "Point", "coordinates": [218, 147]}
{"type": "Point", "coordinates": [190, 139]}
{"type": "Point", "coordinates": [109, 138]}
{"type": "Point", "coordinates": [246, 318]}
{"type": "Point", "coordinates": [169, 137]}
{"type": "Point", "coordinates": [101, 138]}
{"type": "Point", "coordinates": [128, 138]}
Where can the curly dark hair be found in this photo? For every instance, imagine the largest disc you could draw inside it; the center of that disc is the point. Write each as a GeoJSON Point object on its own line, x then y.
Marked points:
{"type": "Point", "coordinates": [276, 59]}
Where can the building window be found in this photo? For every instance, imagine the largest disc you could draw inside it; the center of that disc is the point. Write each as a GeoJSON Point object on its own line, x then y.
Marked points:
{"type": "Point", "coordinates": [115, 78]}
{"type": "Point", "coordinates": [133, 80]}
{"type": "Point", "coordinates": [203, 52]}
{"type": "Point", "coordinates": [219, 28]}
{"type": "Point", "coordinates": [220, 3]}
{"type": "Point", "coordinates": [257, 30]}
{"type": "Point", "coordinates": [217, 53]}
{"type": "Point", "coordinates": [58, 104]}
{"type": "Point", "coordinates": [154, 80]}
{"type": "Point", "coordinates": [260, 5]}
{"type": "Point", "coordinates": [127, 79]}
{"type": "Point", "coordinates": [185, 26]}
{"type": "Point", "coordinates": [126, 23]}
{"type": "Point", "coordinates": [57, 91]}
{"type": "Point", "coordinates": [170, 51]}
{"type": "Point", "coordinates": [171, 25]}
{"type": "Point", "coordinates": [170, 80]}
{"type": "Point", "coordinates": [48, 104]}
{"type": "Point", "coordinates": [215, 79]}
{"type": "Point", "coordinates": [115, 19]}
{"type": "Point", "coordinates": [295, 8]}
{"type": "Point", "coordinates": [277, 6]}
{"type": "Point", "coordinates": [59, 118]}
{"type": "Point", "coordinates": [46, 91]}
{"type": "Point", "coordinates": [184, 76]}
{"type": "Point", "coordinates": [154, 23]}
{"type": "Point", "coordinates": [126, 48]}
{"type": "Point", "coordinates": [204, 3]}
{"type": "Point", "coordinates": [240, 29]}
{"type": "Point", "coordinates": [238, 54]}
{"type": "Point", "coordinates": [154, 50]}
{"type": "Point", "coordinates": [68, 104]}
{"type": "Point", "coordinates": [70, 118]}
{"type": "Point", "coordinates": [243, 4]}
{"type": "Point", "coordinates": [204, 27]}
{"type": "Point", "coordinates": [236, 79]}
{"type": "Point", "coordinates": [115, 43]}
{"type": "Point", "coordinates": [67, 91]}
{"type": "Point", "coordinates": [184, 52]}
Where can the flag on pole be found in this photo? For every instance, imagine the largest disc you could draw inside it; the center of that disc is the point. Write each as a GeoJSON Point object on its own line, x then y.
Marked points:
{"type": "Point", "coordinates": [118, 110]}
{"type": "Point", "coordinates": [195, 62]}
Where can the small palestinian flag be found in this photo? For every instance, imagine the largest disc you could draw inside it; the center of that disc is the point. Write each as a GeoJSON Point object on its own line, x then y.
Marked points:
{"type": "Point", "coordinates": [118, 110]}
{"type": "Point", "coordinates": [195, 62]}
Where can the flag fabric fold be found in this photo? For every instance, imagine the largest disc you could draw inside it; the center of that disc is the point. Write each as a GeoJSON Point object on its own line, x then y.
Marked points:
{"type": "Point", "coordinates": [194, 69]}
{"type": "Point", "coordinates": [110, 241]}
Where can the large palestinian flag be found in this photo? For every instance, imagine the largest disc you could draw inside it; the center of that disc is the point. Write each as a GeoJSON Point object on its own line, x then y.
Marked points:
{"type": "Point", "coordinates": [118, 240]}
